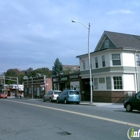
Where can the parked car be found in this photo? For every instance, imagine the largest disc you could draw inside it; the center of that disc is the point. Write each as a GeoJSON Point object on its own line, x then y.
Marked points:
{"type": "Point", "coordinates": [69, 96]}
{"type": "Point", "coordinates": [132, 103]}
{"type": "Point", "coordinates": [3, 95]}
{"type": "Point", "coordinates": [51, 95]}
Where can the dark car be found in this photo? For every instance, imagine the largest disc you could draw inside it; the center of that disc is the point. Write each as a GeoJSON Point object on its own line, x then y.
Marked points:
{"type": "Point", "coordinates": [69, 96]}
{"type": "Point", "coordinates": [132, 103]}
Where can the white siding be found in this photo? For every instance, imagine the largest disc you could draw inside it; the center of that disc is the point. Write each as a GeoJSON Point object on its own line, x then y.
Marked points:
{"type": "Point", "coordinates": [99, 56]}
{"type": "Point", "coordinates": [128, 82]}
{"type": "Point", "coordinates": [108, 60]}
{"type": "Point", "coordinates": [128, 59]}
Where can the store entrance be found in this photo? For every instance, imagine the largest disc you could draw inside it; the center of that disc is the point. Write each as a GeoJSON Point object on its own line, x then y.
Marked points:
{"type": "Point", "coordinates": [62, 86]}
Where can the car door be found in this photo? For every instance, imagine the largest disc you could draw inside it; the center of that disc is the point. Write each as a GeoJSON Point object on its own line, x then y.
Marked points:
{"type": "Point", "coordinates": [62, 96]}
{"type": "Point", "coordinates": [137, 103]}
{"type": "Point", "coordinates": [65, 95]}
{"type": "Point", "coordinates": [48, 94]}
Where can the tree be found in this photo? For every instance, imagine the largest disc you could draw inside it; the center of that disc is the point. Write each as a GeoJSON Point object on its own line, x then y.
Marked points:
{"type": "Point", "coordinates": [57, 68]}
{"type": "Point", "coordinates": [14, 73]}
{"type": "Point", "coordinates": [29, 72]}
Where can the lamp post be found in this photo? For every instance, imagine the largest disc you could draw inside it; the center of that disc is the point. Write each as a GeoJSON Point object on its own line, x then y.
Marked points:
{"type": "Point", "coordinates": [88, 27]}
{"type": "Point", "coordinates": [3, 80]}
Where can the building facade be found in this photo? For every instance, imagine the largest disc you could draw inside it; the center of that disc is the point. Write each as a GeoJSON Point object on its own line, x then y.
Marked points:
{"type": "Point", "coordinates": [66, 81]}
{"type": "Point", "coordinates": [36, 87]}
{"type": "Point", "coordinates": [115, 65]}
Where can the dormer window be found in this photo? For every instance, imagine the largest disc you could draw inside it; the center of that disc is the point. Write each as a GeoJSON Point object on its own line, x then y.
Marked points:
{"type": "Point", "coordinates": [106, 44]}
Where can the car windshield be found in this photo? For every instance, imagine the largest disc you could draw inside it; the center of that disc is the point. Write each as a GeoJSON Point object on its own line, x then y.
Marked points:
{"type": "Point", "coordinates": [74, 92]}
{"type": "Point", "coordinates": [57, 93]}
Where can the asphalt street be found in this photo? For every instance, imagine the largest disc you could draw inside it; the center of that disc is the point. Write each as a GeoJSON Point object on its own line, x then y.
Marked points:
{"type": "Point", "coordinates": [22, 119]}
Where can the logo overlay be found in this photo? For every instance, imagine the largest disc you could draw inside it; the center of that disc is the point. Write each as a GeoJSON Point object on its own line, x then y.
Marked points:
{"type": "Point", "coordinates": [132, 133]}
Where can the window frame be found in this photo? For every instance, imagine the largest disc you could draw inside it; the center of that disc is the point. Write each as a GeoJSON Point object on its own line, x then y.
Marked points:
{"type": "Point", "coordinates": [103, 60]}
{"type": "Point", "coordinates": [116, 59]}
{"type": "Point", "coordinates": [118, 82]}
{"type": "Point", "coordinates": [96, 62]}
{"type": "Point", "coordinates": [95, 83]}
{"type": "Point", "coordinates": [106, 44]}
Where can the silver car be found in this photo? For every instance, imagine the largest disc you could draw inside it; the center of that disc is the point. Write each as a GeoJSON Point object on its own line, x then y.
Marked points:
{"type": "Point", "coordinates": [51, 95]}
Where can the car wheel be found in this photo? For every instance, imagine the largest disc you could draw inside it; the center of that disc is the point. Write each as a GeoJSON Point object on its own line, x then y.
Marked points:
{"type": "Point", "coordinates": [44, 100]}
{"type": "Point", "coordinates": [78, 103]}
{"type": "Point", "coordinates": [65, 101]}
{"type": "Point", "coordinates": [50, 99]}
{"type": "Point", "coordinates": [128, 108]}
{"type": "Point", "coordinates": [57, 101]}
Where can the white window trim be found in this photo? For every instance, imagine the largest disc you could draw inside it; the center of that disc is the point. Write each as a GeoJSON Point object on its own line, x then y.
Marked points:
{"type": "Point", "coordinates": [120, 59]}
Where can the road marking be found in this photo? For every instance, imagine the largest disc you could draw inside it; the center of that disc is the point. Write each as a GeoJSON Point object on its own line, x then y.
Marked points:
{"type": "Point", "coordinates": [81, 114]}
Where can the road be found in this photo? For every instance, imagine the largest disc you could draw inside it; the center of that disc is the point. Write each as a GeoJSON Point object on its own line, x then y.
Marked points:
{"type": "Point", "coordinates": [26, 119]}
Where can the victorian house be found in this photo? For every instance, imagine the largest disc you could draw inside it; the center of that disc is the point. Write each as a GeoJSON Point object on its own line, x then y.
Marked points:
{"type": "Point", "coordinates": [115, 65]}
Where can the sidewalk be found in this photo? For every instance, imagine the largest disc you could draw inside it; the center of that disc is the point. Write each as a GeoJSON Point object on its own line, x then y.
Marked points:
{"type": "Point", "coordinates": [101, 104]}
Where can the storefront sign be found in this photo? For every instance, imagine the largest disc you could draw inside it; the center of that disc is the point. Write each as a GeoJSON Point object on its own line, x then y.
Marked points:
{"type": "Point", "coordinates": [64, 79]}
{"type": "Point", "coordinates": [74, 76]}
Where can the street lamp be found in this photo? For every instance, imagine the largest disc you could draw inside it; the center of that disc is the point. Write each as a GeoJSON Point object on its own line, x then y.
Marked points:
{"type": "Point", "coordinates": [3, 80]}
{"type": "Point", "coordinates": [88, 27]}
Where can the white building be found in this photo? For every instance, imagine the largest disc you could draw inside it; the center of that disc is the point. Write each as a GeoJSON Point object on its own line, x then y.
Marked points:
{"type": "Point", "coordinates": [115, 65]}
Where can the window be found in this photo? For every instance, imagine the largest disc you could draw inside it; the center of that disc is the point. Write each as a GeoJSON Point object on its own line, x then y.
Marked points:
{"type": "Point", "coordinates": [96, 62]}
{"type": "Point", "coordinates": [25, 89]}
{"type": "Point", "coordinates": [30, 90]}
{"type": "Point", "coordinates": [101, 80]}
{"type": "Point", "coordinates": [95, 83]}
{"type": "Point", "coordinates": [106, 44]}
{"type": "Point", "coordinates": [34, 88]}
{"type": "Point", "coordinates": [103, 61]}
{"type": "Point", "coordinates": [138, 59]}
{"type": "Point", "coordinates": [117, 82]}
{"type": "Point", "coordinates": [108, 83]}
{"type": "Point", "coordinates": [116, 59]}
{"type": "Point", "coordinates": [84, 66]}
{"type": "Point", "coordinates": [73, 92]}
{"type": "Point", "coordinates": [138, 96]}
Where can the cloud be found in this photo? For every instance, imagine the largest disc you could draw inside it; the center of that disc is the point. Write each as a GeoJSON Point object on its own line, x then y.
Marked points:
{"type": "Point", "coordinates": [34, 33]}
{"type": "Point", "coordinates": [121, 11]}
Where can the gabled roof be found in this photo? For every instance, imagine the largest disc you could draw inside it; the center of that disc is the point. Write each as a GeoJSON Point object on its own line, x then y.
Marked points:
{"type": "Point", "coordinates": [121, 40]}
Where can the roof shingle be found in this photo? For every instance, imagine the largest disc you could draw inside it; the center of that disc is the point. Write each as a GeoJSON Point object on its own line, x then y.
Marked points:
{"type": "Point", "coordinates": [121, 40]}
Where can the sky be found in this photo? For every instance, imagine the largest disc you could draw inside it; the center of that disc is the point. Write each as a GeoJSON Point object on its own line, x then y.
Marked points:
{"type": "Point", "coordinates": [34, 33]}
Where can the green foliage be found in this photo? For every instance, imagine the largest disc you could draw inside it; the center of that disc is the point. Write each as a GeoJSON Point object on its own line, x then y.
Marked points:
{"type": "Point", "coordinates": [57, 68]}
{"type": "Point", "coordinates": [30, 73]}
{"type": "Point", "coordinates": [42, 71]}
{"type": "Point", "coordinates": [14, 73]}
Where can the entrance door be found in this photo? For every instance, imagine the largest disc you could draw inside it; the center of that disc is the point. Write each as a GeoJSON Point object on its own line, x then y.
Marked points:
{"type": "Point", "coordinates": [62, 86]}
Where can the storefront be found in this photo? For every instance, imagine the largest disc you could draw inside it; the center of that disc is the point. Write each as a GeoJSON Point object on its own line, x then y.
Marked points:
{"type": "Point", "coordinates": [36, 87]}
{"type": "Point", "coordinates": [67, 81]}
